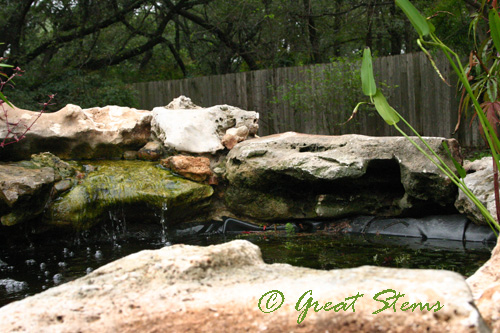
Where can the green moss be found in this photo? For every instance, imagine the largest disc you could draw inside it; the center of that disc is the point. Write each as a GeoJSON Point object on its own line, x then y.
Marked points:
{"type": "Point", "coordinates": [127, 183]}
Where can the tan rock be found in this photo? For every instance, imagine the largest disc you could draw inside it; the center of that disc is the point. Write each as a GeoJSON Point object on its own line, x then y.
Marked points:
{"type": "Point", "coordinates": [485, 287]}
{"type": "Point", "coordinates": [73, 132]}
{"type": "Point", "coordinates": [224, 288]}
{"type": "Point", "coordinates": [235, 135]}
{"type": "Point", "coordinates": [191, 167]}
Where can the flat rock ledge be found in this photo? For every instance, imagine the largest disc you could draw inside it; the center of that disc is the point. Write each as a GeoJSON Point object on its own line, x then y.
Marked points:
{"type": "Point", "coordinates": [220, 289]}
{"type": "Point", "coordinates": [293, 175]}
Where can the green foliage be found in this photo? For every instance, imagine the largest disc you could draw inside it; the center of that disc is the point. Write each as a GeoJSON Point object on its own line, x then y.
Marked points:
{"type": "Point", "coordinates": [324, 93]}
{"type": "Point", "coordinates": [385, 111]}
{"type": "Point", "coordinates": [73, 87]}
{"type": "Point", "coordinates": [290, 229]}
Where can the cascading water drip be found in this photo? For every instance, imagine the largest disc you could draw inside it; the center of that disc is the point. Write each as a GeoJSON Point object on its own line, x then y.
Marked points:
{"type": "Point", "coordinates": [163, 223]}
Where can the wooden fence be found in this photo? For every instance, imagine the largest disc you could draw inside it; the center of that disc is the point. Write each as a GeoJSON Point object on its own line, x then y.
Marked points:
{"type": "Point", "coordinates": [417, 92]}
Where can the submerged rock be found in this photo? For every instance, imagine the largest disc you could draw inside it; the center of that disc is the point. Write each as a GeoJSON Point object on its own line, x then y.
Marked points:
{"type": "Point", "coordinates": [76, 133]}
{"type": "Point", "coordinates": [192, 129]}
{"type": "Point", "coordinates": [143, 188]}
{"type": "Point", "coordinates": [229, 288]}
{"type": "Point", "coordinates": [294, 175]}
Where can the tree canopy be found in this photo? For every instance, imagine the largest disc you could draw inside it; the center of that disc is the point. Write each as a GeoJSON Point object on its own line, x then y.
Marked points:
{"type": "Point", "coordinates": [87, 50]}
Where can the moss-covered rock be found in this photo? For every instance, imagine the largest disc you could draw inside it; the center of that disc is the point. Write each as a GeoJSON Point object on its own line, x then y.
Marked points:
{"type": "Point", "coordinates": [144, 189]}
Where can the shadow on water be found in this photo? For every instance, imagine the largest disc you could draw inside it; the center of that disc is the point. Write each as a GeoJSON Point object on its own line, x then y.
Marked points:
{"type": "Point", "coordinates": [38, 262]}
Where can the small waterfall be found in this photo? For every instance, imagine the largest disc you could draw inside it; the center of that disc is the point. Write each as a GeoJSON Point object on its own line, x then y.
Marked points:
{"type": "Point", "coordinates": [163, 222]}
{"type": "Point", "coordinates": [118, 225]}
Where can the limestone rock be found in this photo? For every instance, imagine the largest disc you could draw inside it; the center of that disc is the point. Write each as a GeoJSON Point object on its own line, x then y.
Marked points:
{"type": "Point", "coordinates": [479, 180]}
{"type": "Point", "coordinates": [191, 167]}
{"type": "Point", "coordinates": [141, 188]}
{"type": "Point", "coordinates": [220, 288]}
{"type": "Point", "coordinates": [293, 175]}
{"type": "Point", "coordinates": [199, 130]}
{"type": "Point", "coordinates": [152, 151]}
{"type": "Point", "coordinates": [234, 135]}
{"type": "Point", "coordinates": [24, 191]}
{"type": "Point", "coordinates": [76, 133]}
{"type": "Point", "coordinates": [485, 287]}
{"type": "Point", "coordinates": [182, 102]}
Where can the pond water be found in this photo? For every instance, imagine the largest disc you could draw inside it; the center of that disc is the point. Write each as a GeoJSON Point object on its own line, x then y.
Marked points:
{"type": "Point", "coordinates": [36, 263]}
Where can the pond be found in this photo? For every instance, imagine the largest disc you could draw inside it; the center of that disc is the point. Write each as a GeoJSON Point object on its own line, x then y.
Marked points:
{"type": "Point", "coordinates": [36, 263]}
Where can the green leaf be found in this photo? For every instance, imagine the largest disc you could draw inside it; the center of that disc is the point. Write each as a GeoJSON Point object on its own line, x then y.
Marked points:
{"type": "Point", "coordinates": [492, 89]}
{"type": "Point", "coordinates": [494, 21]}
{"type": "Point", "coordinates": [417, 20]}
{"type": "Point", "coordinates": [5, 65]}
{"type": "Point", "coordinates": [461, 171]}
{"type": "Point", "coordinates": [367, 78]}
{"type": "Point", "coordinates": [2, 96]}
{"type": "Point", "coordinates": [384, 109]}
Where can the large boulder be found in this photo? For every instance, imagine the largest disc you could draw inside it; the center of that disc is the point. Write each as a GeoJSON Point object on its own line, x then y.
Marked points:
{"type": "Point", "coordinates": [141, 188]}
{"type": "Point", "coordinates": [293, 175]}
{"type": "Point", "coordinates": [76, 133]}
{"type": "Point", "coordinates": [228, 288]}
{"type": "Point", "coordinates": [479, 180]}
{"type": "Point", "coordinates": [192, 129]}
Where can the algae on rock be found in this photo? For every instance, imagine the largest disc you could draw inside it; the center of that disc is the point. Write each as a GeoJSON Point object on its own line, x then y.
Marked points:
{"type": "Point", "coordinates": [143, 188]}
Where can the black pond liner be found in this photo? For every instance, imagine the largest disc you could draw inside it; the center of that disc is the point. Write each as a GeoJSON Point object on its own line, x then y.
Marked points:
{"type": "Point", "coordinates": [442, 231]}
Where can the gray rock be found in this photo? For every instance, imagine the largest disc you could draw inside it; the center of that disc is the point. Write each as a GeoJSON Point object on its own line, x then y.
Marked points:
{"type": "Point", "coordinates": [63, 185]}
{"type": "Point", "coordinates": [222, 288]}
{"type": "Point", "coordinates": [152, 151]}
{"type": "Point", "coordinates": [293, 175]}
{"type": "Point", "coordinates": [24, 191]}
{"type": "Point", "coordinates": [479, 180]}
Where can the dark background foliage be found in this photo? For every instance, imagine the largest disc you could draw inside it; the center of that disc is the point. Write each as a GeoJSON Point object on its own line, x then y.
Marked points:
{"type": "Point", "coordinates": [87, 52]}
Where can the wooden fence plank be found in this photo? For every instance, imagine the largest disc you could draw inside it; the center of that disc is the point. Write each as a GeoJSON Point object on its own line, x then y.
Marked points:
{"type": "Point", "coordinates": [421, 97]}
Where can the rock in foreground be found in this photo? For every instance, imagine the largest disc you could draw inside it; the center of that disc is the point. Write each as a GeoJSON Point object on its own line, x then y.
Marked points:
{"type": "Point", "coordinates": [220, 289]}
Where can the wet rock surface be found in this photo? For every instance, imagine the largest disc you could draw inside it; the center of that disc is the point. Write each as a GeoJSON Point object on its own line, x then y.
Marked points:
{"type": "Point", "coordinates": [220, 288]}
{"type": "Point", "coordinates": [140, 187]}
{"type": "Point", "coordinates": [294, 175]}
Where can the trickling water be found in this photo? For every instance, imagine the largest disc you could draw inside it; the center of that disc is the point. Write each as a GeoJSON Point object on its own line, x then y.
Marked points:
{"type": "Point", "coordinates": [163, 223]}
